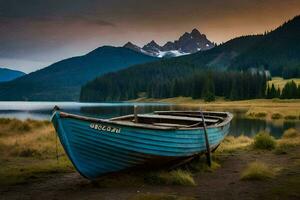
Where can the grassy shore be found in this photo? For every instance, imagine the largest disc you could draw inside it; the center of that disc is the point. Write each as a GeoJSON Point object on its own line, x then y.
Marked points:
{"type": "Point", "coordinates": [28, 150]}
{"type": "Point", "coordinates": [259, 167]}
{"type": "Point", "coordinates": [256, 108]}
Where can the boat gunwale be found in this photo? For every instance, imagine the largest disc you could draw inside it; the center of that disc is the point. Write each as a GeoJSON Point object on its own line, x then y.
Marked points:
{"type": "Point", "coordinates": [226, 120]}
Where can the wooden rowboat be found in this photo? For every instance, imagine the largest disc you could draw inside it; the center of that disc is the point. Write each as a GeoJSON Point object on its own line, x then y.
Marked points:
{"type": "Point", "coordinates": [99, 146]}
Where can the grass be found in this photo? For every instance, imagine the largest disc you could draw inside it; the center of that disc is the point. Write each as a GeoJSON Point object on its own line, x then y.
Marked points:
{"type": "Point", "coordinates": [290, 117]}
{"type": "Point", "coordinates": [264, 140]}
{"type": "Point", "coordinates": [257, 114]}
{"type": "Point", "coordinates": [290, 133]}
{"type": "Point", "coordinates": [231, 143]}
{"type": "Point", "coordinates": [200, 165]}
{"type": "Point", "coordinates": [27, 149]}
{"type": "Point", "coordinates": [15, 126]}
{"type": "Point", "coordinates": [258, 171]}
{"type": "Point", "coordinates": [174, 177]}
{"type": "Point", "coordinates": [283, 149]}
{"type": "Point", "coordinates": [20, 170]}
{"type": "Point", "coordinates": [276, 116]}
{"type": "Point", "coordinates": [159, 197]}
{"type": "Point", "coordinates": [289, 139]}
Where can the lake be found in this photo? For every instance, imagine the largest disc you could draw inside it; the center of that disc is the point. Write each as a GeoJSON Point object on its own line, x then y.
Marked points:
{"type": "Point", "coordinates": [42, 111]}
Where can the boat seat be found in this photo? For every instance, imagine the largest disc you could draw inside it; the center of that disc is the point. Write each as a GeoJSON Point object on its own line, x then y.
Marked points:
{"type": "Point", "coordinates": [190, 115]}
{"type": "Point", "coordinates": [169, 125]}
{"type": "Point", "coordinates": [176, 118]}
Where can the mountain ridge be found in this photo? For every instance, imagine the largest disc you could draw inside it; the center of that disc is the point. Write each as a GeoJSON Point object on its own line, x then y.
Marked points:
{"type": "Point", "coordinates": [7, 74]}
{"type": "Point", "coordinates": [187, 43]}
{"type": "Point", "coordinates": [62, 80]}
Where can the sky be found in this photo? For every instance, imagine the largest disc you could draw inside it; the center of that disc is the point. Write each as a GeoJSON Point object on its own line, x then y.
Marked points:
{"type": "Point", "coordinates": [36, 33]}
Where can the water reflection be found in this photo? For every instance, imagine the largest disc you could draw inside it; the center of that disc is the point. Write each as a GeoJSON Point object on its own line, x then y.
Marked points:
{"type": "Point", "coordinates": [42, 111]}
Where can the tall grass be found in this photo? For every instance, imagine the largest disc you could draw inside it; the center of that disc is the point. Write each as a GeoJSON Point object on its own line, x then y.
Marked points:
{"type": "Point", "coordinates": [289, 140]}
{"type": "Point", "coordinates": [175, 177]}
{"type": "Point", "coordinates": [15, 126]}
{"type": "Point", "coordinates": [27, 148]}
{"type": "Point", "coordinates": [200, 165]}
{"type": "Point", "coordinates": [231, 143]}
{"type": "Point", "coordinates": [257, 171]}
{"type": "Point", "coordinates": [290, 133]}
{"type": "Point", "coordinates": [264, 140]}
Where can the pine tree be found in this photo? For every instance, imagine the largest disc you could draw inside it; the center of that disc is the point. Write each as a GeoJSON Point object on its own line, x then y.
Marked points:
{"type": "Point", "coordinates": [273, 93]}
{"type": "Point", "coordinates": [234, 92]}
{"type": "Point", "coordinates": [268, 94]}
{"type": "Point", "coordinates": [289, 91]}
{"type": "Point", "coordinates": [208, 92]}
{"type": "Point", "coordinates": [278, 93]}
{"type": "Point", "coordinates": [298, 92]}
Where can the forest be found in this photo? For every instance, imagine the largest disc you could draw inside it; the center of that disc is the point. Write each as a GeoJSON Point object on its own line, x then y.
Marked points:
{"type": "Point", "coordinates": [206, 84]}
{"type": "Point", "coordinates": [289, 91]}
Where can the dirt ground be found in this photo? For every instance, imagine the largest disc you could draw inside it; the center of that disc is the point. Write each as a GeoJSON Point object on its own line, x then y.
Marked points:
{"type": "Point", "coordinates": [224, 183]}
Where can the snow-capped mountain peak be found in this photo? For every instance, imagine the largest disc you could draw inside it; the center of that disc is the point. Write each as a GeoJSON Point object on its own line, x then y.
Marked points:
{"type": "Point", "coordinates": [186, 44]}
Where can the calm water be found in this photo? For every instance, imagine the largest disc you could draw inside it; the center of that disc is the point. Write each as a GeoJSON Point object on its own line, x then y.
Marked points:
{"type": "Point", "coordinates": [42, 111]}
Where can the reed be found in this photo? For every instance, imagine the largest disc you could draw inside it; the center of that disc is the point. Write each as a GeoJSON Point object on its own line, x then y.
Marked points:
{"type": "Point", "coordinates": [257, 171]}
{"type": "Point", "coordinates": [231, 143]}
{"type": "Point", "coordinates": [264, 140]}
{"type": "Point", "coordinates": [289, 140]}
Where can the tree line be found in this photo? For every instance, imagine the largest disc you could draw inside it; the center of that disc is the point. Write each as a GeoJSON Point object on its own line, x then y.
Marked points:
{"type": "Point", "coordinates": [289, 91]}
{"type": "Point", "coordinates": [204, 83]}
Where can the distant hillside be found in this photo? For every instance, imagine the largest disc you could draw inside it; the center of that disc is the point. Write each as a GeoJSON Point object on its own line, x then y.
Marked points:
{"type": "Point", "coordinates": [62, 81]}
{"type": "Point", "coordinates": [8, 74]}
{"type": "Point", "coordinates": [277, 51]}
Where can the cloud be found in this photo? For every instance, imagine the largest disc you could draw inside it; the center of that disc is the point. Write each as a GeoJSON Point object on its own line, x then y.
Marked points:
{"type": "Point", "coordinates": [47, 30]}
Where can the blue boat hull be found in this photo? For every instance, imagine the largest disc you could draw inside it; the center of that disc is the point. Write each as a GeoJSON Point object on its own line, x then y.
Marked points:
{"type": "Point", "coordinates": [96, 149]}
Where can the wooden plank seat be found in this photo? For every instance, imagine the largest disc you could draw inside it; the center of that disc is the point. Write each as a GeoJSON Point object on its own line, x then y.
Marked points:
{"type": "Point", "coordinates": [169, 125]}
{"type": "Point", "coordinates": [183, 118]}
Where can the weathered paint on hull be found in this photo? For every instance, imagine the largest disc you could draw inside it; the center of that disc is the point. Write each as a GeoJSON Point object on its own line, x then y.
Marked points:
{"type": "Point", "coordinates": [95, 152]}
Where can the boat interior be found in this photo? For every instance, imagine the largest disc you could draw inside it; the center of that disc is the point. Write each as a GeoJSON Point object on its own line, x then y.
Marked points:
{"type": "Point", "coordinates": [175, 119]}
{"type": "Point", "coordinates": [163, 119]}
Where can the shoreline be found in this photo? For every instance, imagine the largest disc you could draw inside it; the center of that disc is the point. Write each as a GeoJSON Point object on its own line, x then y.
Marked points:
{"type": "Point", "coordinates": [269, 109]}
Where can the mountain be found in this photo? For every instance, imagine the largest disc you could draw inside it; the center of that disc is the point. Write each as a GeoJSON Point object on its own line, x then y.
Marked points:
{"type": "Point", "coordinates": [133, 47]}
{"type": "Point", "coordinates": [188, 43]}
{"type": "Point", "coordinates": [62, 81]}
{"type": "Point", "coordinates": [8, 74]}
{"type": "Point", "coordinates": [277, 51]}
